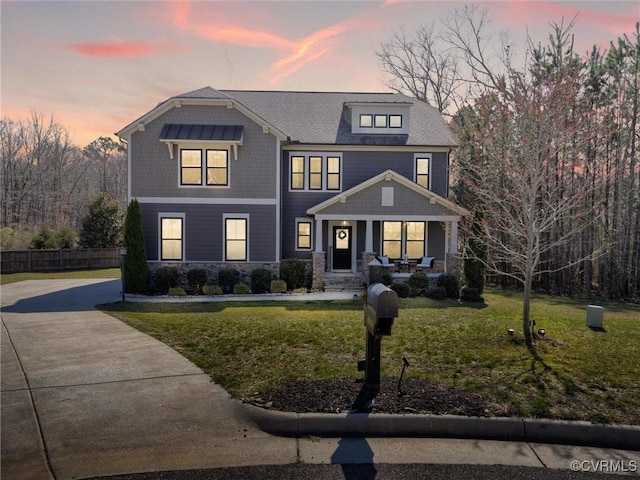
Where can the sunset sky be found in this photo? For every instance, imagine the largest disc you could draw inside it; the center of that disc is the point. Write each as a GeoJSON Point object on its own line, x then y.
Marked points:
{"type": "Point", "coordinates": [98, 65]}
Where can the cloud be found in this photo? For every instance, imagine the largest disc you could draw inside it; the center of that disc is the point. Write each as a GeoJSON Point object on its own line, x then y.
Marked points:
{"type": "Point", "coordinates": [122, 49]}
{"type": "Point", "coordinates": [298, 53]}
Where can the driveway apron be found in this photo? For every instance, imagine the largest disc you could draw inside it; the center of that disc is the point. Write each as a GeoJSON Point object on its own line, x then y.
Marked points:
{"type": "Point", "coordinates": [85, 395]}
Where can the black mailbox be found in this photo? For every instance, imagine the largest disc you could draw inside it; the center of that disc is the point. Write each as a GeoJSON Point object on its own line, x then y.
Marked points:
{"type": "Point", "coordinates": [381, 309]}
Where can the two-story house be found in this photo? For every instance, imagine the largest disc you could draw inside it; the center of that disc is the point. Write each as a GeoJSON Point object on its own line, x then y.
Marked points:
{"type": "Point", "coordinates": [244, 179]}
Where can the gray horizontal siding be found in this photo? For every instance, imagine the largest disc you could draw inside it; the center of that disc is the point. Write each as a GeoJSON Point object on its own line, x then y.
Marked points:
{"type": "Point", "coordinates": [204, 230]}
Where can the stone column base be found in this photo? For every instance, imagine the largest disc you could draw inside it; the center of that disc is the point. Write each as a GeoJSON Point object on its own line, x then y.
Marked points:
{"type": "Point", "coordinates": [453, 264]}
{"type": "Point", "coordinates": [319, 260]}
{"type": "Point", "coordinates": [366, 259]}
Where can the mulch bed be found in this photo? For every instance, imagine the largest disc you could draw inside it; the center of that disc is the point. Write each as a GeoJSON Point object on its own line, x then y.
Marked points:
{"type": "Point", "coordinates": [414, 396]}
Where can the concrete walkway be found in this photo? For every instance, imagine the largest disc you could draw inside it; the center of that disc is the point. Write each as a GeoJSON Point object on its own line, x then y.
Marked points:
{"type": "Point", "coordinates": [84, 395]}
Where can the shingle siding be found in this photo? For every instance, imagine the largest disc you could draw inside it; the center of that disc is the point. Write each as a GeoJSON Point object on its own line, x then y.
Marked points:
{"type": "Point", "coordinates": [155, 174]}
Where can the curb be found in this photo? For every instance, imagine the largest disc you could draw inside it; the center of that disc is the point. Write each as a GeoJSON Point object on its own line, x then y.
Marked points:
{"type": "Point", "coordinates": [287, 424]}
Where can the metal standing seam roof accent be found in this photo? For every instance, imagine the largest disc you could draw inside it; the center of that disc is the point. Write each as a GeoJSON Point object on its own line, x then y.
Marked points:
{"type": "Point", "coordinates": [178, 131]}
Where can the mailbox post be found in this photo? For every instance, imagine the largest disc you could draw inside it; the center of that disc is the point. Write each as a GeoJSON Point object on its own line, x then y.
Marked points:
{"type": "Point", "coordinates": [379, 314]}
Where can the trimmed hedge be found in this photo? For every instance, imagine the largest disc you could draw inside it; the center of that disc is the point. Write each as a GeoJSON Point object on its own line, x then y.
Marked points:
{"type": "Point", "coordinates": [228, 278]}
{"type": "Point", "coordinates": [260, 280]}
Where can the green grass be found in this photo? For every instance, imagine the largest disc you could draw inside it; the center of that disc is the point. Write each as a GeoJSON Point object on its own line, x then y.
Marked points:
{"type": "Point", "coordinates": [576, 373]}
{"type": "Point", "coordinates": [18, 277]}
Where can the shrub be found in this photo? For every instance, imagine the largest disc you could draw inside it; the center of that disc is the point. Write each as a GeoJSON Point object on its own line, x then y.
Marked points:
{"type": "Point", "coordinates": [197, 278]}
{"type": "Point", "coordinates": [136, 268]}
{"type": "Point", "coordinates": [294, 273]}
{"type": "Point", "coordinates": [177, 292]}
{"type": "Point", "coordinates": [418, 283]}
{"type": "Point", "coordinates": [241, 289]}
{"type": "Point", "coordinates": [165, 278]}
{"type": "Point", "coordinates": [387, 277]}
{"type": "Point", "coordinates": [212, 290]}
{"type": "Point", "coordinates": [278, 286]}
{"type": "Point", "coordinates": [402, 289]}
{"type": "Point", "coordinates": [67, 237]}
{"type": "Point", "coordinates": [102, 226]}
{"type": "Point", "coordinates": [228, 278]}
{"type": "Point", "coordinates": [470, 294]}
{"type": "Point", "coordinates": [260, 280]}
{"type": "Point", "coordinates": [451, 285]}
{"type": "Point", "coordinates": [46, 238]}
{"type": "Point", "coordinates": [436, 293]}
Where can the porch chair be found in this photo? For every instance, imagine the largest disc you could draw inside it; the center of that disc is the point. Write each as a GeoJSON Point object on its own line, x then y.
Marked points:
{"type": "Point", "coordinates": [426, 262]}
{"type": "Point", "coordinates": [384, 260]}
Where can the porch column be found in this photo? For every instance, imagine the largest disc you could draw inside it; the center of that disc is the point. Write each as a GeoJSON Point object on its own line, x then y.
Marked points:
{"type": "Point", "coordinates": [453, 237]}
{"type": "Point", "coordinates": [318, 235]}
{"type": "Point", "coordinates": [368, 240]}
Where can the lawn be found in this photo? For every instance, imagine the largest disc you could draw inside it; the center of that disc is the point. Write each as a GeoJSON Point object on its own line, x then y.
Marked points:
{"type": "Point", "coordinates": [100, 273]}
{"type": "Point", "coordinates": [575, 374]}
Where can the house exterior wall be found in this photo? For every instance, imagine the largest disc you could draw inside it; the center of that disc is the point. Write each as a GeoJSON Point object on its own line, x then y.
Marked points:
{"type": "Point", "coordinates": [203, 225]}
{"type": "Point", "coordinates": [357, 167]}
{"type": "Point", "coordinates": [155, 174]}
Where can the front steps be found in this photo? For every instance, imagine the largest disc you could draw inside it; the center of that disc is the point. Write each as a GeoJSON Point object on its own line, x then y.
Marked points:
{"type": "Point", "coordinates": [343, 282]}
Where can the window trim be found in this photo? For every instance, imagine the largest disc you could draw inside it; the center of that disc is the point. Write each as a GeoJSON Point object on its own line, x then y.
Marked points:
{"type": "Point", "coordinates": [226, 168]}
{"type": "Point", "coordinates": [204, 178]}
{"type": "Point", "coordinates": [298, 222]}
{"type": "Point", "coordinates": [416, 175]}
{"type": "Point", "coordinates": [235, 216]}
{"type": "Point", "coordinates": [172, 215]}
{"type": "Point", "coordinates": [376, 116]}
{"type": "Point", "coordinates": [394, 115]}
{"type": "Point", "coordinates": [313, 173]}
{"type": "Point", "coordinates": [306, 171]}
{"type": "Point", "coordinates": [370, 118]}
{"type": "Point", "coordinates": [404, 237]}
{"type": "Point", "coordinates": [182, 168]}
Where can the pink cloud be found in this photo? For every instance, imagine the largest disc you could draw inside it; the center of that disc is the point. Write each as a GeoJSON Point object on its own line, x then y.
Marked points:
{"type": "Point", "coordinates": [298, 52]}
{"type": "Point", "coordinates": [122, 49]}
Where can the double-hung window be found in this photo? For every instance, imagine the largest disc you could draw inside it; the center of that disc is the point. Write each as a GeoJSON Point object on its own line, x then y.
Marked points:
{"type": "Point", "coordinates": [303, 234]}
{"type": "Point", "coordinates": [191, 167]}
{"type": "Point", "coordinates": [315, 171]}
{"type": "Point", "coordinates": [215, 173]}
{"type": "Point", "coordinates": [422, 168]}
{"type": "Point", "coordinates": [172, 237]}
{"type": "Point", "coordinates": [403, 239]}
{"type": "Point", "coordinates": [236, 235]}
{"type": "Point", "coordinates": [218, 167]}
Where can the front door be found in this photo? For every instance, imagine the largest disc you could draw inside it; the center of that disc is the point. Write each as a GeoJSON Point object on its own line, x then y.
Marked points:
{"type": "Point", "coordinates": [342, 248]}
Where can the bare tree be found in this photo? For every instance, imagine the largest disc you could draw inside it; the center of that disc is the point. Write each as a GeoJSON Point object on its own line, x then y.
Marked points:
{"type": "Point", "coordinates": [422, 67]}
{"type": "Point", "coordinates": [528, 172]}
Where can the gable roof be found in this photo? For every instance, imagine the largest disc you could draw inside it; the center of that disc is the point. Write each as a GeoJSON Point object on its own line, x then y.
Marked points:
{"type": "Point", "coordinates": [314, 117]}
{"type": "Point", "coordinates": [446, 207]}
{"type": "Point", "coordinates": [319, 117]}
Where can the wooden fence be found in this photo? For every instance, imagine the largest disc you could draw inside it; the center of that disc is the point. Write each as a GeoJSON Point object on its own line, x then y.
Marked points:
{"type": "Point", "coordinates": [55, 260]}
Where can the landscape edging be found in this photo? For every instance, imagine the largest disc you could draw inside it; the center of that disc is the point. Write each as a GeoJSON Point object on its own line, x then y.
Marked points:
{"type": "Point", "coordinates": [288, 424]}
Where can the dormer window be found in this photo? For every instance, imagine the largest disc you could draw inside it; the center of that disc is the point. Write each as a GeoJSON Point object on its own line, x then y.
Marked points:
{"type": "Point", "coordinates": [379, 118]}
{"type": "Point", "coordinates": [366, 120]}
{"type": "Point", "coordinates": [381, 121]}
{"type": "Point", "coordinates": [395, 121]}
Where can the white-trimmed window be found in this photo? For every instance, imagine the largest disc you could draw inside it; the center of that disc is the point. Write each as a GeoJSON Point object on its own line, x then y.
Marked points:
{"type": "Point", "coordinates": [171, 236]}
{"type": "Point", "coordinates": [380, 121]}
{"type": "Point", "coordinates": [395, 121]}
{"type": "Point", "coordinates": [303, 234]}
{"type": "Point", "coordinates": [403, 239]}
{"type": "Point", "coordinates": [423, 169]}
{"type": "Point", "coordinates": [214, 174]}
{"type": "Point", "coordinates": [236, 237]}
{"type": "Point", "coordinates": [315, 171]}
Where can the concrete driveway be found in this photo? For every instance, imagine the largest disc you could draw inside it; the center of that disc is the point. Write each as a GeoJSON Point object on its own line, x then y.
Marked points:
{"type": "Point", "coordinates": [84, 395]}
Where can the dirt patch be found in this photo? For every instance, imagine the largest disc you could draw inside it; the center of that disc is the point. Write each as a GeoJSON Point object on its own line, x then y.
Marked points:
{"type": "Point", "coordinates": [414, 396]}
